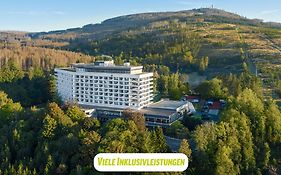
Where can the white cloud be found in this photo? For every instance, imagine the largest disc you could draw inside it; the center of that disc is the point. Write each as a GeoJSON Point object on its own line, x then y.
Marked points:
{"type": "Point", "coordinates": [58, 13]}
{"type": "Point", "coordinates": [193, 3]}
{"type": "Point", "coordinates": [185, 3]}
{"type": "Point", "coordinates": [36, 13]}
{"type": "Point", "coordinates": [269, 12]}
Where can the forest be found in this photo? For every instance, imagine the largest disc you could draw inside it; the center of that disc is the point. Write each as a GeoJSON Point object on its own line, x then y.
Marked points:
{"type": "Point", "coordinates": [36, 57]}
{"type": "Point", "coordinates": [41, 135]}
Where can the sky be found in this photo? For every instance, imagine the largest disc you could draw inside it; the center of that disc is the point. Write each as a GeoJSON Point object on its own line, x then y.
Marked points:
{"type": "Point", "coordinates": [47, 15]}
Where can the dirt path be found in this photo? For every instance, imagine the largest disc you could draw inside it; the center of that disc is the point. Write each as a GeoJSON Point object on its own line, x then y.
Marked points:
{"type": "Point", "coordinates": [271, 42]}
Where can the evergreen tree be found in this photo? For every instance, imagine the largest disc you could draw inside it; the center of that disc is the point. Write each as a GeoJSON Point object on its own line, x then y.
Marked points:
{"type": "Point", "coordinates": [273, 123]}
{"type": "Point", "coordinates": [159, 141]}
{"type": "Point", "coordinates": [224, 164]}
{"type": "Point", "coordinates": [75, 113]}
{"type": "Point", "coordinates": [184, 148]}
{"type": "Point", "coordinates": [49, 127]}
{"type": "Point", "coordinates": [137, 117]}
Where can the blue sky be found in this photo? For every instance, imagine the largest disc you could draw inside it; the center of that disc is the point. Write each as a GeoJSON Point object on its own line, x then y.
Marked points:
{"type": "Point", "coordinates": [45, 15]}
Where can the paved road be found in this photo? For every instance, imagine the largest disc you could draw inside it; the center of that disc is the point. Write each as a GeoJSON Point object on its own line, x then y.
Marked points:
{"type": "Point", "coordinates": [173, 143]}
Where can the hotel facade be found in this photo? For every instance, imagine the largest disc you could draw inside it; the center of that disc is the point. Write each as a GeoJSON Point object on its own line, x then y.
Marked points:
{"type": "Point", "coordinates": [103, 84]}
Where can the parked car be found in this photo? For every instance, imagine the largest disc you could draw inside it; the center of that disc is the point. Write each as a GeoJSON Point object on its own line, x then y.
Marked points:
{"type": "Point", "coordinates": [210, 103]}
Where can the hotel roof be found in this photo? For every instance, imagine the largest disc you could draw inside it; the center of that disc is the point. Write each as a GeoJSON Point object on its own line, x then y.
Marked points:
{"type": "Point", "coordinates": [168, 104]}
{"type": "Point", "coordinates": [157, 112]}
{"type": "Point", "coordinates": [105, 67]}
{"type": "Point", "coordinates": [113, 66]}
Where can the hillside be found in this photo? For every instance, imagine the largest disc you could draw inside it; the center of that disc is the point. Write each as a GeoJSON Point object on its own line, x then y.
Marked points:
{"type": "Point", "coordinates": [166, 38]}
{"type": "Point", "coordinates": [224, 37]}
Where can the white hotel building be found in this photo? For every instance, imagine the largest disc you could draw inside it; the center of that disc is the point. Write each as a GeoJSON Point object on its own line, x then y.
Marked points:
{"type": "Point", "coordinates": [103, 84]}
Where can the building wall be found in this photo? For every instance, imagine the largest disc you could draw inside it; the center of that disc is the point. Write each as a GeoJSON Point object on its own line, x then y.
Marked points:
{"type": "Point", "coordinates": [65, 85]}
{"type": "Point", "coordinates": [105, 89]}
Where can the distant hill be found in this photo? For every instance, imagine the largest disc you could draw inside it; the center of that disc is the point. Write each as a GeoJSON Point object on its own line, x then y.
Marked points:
{"type": "Point", "coordinates": [98, 31]}
{"type": "Point", "coordinates": [13, 36]}
{"type": "Point", "coordinates": [227, 39]}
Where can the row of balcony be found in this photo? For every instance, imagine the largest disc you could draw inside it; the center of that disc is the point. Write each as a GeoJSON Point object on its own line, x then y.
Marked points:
{"type": "Point", "coordinates": [103, 102]}
{"type": "Point", "coordinates": [126, 95]}
{"type": "Point", "coordinates": [100, 77]}
{"type": "Point", "coordinates": [113, 96]}
{"type": "Point", "coordinates": [100, 102]}
{"type": "Point", "coordinates": [111, 83]}
{"type": "Point", "coordinates": [112, 86]}
{"type": "Point", "coordinates": [83, 77]}
{"type": "Point", "coordinates": [102, 98]}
